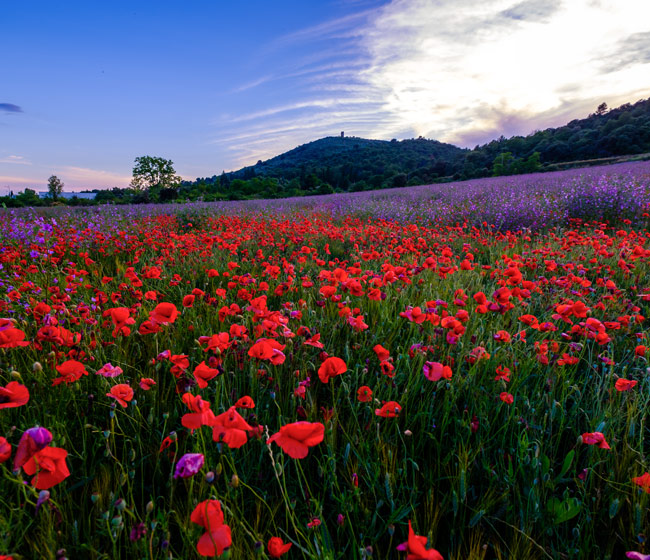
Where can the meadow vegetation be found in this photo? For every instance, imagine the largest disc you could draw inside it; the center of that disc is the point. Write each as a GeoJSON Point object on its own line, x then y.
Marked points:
{"type": "Point", "coordinates": [463, 362]}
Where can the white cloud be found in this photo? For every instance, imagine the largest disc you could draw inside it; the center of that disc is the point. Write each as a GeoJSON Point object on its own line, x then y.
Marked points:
{"type": "Point", "coordinates": [460, 71]}
{"type": "Point", "coordinates": [451, 69]}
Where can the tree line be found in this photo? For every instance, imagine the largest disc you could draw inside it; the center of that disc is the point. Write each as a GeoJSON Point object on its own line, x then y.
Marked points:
{"type": "Point", "coordinates": [350, 164]}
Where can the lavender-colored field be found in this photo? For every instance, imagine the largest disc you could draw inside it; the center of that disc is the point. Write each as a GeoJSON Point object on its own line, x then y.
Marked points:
{"type": "Point", "coordinates": [535, 201]}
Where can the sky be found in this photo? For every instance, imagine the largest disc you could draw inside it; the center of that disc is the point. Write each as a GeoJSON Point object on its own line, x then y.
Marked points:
{"type": "Point", "coordinates": [86, 87]}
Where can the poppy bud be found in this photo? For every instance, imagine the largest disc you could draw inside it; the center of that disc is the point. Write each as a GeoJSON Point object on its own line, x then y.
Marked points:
{"type": "Point", "coordinates": [149, 507]}
{"type": "Point", "coordinates": [37, 367]}
{"type": "Point", "coordinates": [234, 481]}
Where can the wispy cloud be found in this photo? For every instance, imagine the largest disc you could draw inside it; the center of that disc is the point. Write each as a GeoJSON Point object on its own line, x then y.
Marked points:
{"type": "Point", "coordinates": [461, 71]}
{"type": "Point", "coordinates": [82, 177]}
{"type": "Point", "coordinates": [343, 27]}
{"type": "Point", "coordinates": [9, 181]}
{"type": "Point", "coordinates": [20, 160]}
{"type": "Point", "coordinates": [10, 108]}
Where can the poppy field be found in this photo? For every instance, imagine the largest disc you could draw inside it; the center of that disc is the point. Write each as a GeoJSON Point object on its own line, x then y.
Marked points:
{"type": "Point", "coordinates": [456, 371]}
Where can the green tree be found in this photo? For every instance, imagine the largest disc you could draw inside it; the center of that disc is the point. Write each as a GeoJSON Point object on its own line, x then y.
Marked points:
{"type": "Point", "coordinates": [154, 173]}
{"type": "Point", "coordinates": [502, 164]}
{"type": "Point", "coordinates": [54, 187]}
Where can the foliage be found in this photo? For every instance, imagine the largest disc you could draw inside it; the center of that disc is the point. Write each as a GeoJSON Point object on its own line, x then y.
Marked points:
{"type": "Point", "coordinates": [154, 174]}
{"type": "Point", "coordinates": [54, 187]}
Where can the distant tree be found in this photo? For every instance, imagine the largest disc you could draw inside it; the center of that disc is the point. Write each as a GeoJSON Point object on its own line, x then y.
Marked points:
{"type": "Point", "coordinates": [602, 109]}
{"type": "Point", "coordinates": [29, 198]}
{"type": "Point", "coordinates": [532, 163]}
{"type": "Point", "coordinates": [399, 180]}
{"type": "Point", "coordinates": [502, 164]}
{"type": "Point", "coordinates": [154, 173]}
{"type": "Point", "coordinates": [54, 187]}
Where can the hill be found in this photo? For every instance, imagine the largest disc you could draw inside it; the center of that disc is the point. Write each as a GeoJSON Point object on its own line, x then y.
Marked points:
{"type": "Point", "coordinates": [344, 161]}
{"type": "Point", "coordinates": [336, 164]}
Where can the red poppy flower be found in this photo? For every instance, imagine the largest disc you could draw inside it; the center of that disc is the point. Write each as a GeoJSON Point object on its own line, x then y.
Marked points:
{"type": "Point", "coordinates": [595, 438]}
{"type": "Point", "coordinates": [621, 384]}
{"type": "Point", "coordinates": [391, 409]}
{"type": "Point", "coordinates": [50, 466]}
{"type": "Point", "coordinates": [502, 336]}
{"type": "Point", "coordinates": [314, 341]}
{"type": "Point", "coordinates": [239, 331]}
{"type": "Point", "coordinates": [331, 367]}
{"type": "Point", "coordinates": [434, 371]}
{"type": "Point", "coordinates": [70, 371]}
{"type": "Point", "coordinates": [357, 323]}
{"type": "Point", "coordinates": [32, 440]}
{"type": "Point", "coordinates": [268, 349]}
{"type": "Point", "coordinates": [121, 319]}
{"type": "Point", "coordinates": [201, 414]}
{"type": "Point", "coordinates": [245, 402]}
{"type": "Point", "coordinates": [415, 546]}
{"type": "Point", "coordinates": [507, 398]}
{"type": "Point", "coordinates": [277, 547]}
{"type": "Point", "coordinates": [164, 313]}
{"type": "Point", "coordinates": [503, 373]}
{"type": "Point", "coordinates": [217, 537]}
{"type": "Point", "coordinates": [203, 373]}
{"type": "Point", "coordinates": [567, 360]}
{"type": "Point", "coordinates": [476, 354]}
{"type": "Point", "coordinates": [364, 394]}
{"type": "Point", "coordinates": [219, 342]}
{"type": "Point", "coordinates": [230, 428]}
{"type": "Point", "coordinates": [5, 449]}
{"type": "Point", "coordinates": [11, 337]}
{"type": "Point", "coordinates": [13, 395]}
{"type": "Point", "coordinates": [415, 315]}
{"type": "Point", "coordinates": [643, 481]}
{"type": "Point", "coordinates": [381, 352]}
{"type": "Point", "coordinates": [122, 393]}
{"type": "Point", "coordinates": [188, 300]}
{"type": "Point", "coordinates": [296, 439]}
{"type": "Point", "coordinates": [149, 327]}
{"type": "Point", "coordinates": [146, 383]}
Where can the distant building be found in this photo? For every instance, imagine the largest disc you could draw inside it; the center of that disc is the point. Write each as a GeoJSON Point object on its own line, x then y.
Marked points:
{"type": "Point", "coordinates": [342, 133]}
{"type": "Point", "coordinates": [69, 195]}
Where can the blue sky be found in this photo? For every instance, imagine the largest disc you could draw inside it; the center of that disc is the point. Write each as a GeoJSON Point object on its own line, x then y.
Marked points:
{"type": "Point", "coordinates": [86, 87]}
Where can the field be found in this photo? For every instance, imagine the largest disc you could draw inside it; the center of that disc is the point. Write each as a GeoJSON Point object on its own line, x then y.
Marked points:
{"type": "Point", "coordinates": [207, 379]}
